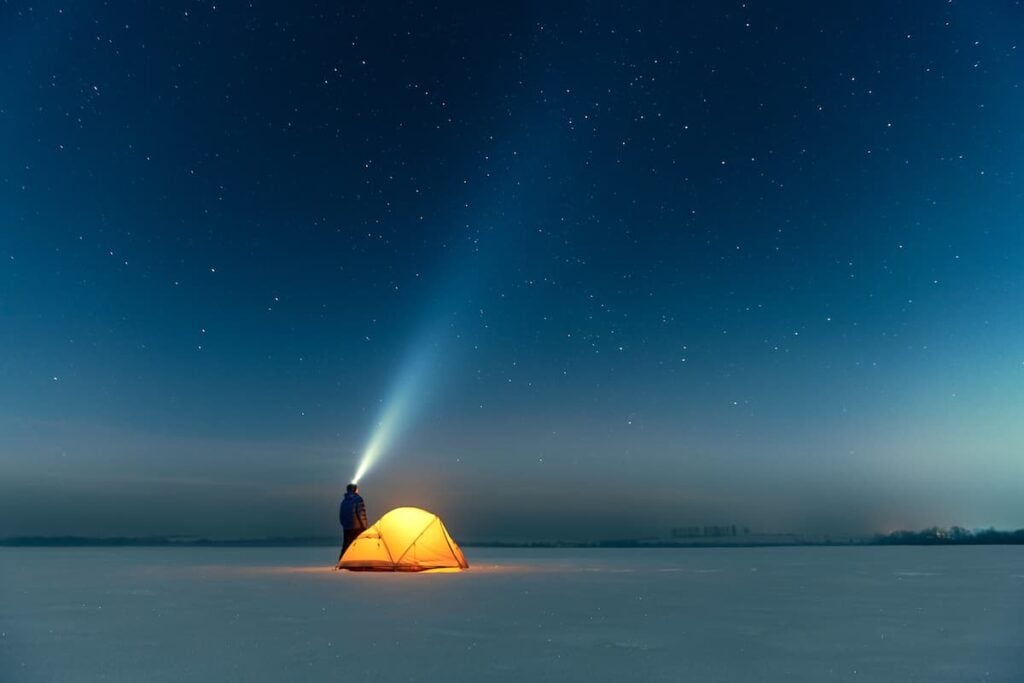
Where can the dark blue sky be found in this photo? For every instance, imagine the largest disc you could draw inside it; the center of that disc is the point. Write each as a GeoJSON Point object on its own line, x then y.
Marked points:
{"type": "Point", "coordinates": [653, 265]}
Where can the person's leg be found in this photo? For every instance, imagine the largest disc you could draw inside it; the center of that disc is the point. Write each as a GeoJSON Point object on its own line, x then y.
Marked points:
{"type": "Point", "coordinates": [350, 535]}
{"type": "Point", "coordinates": [346, 540]}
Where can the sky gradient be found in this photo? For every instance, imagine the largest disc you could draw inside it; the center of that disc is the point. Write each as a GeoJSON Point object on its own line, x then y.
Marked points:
{"type": "Point", "coordinates": [611, 268]}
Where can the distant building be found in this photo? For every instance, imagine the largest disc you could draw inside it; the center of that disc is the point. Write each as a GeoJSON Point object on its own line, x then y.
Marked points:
{"type": "Point", "coordinates": [708, 531]}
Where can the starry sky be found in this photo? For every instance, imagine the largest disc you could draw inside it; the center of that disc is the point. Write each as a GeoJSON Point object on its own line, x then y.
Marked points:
{"type": "Point", "coordinates": [612, 268]}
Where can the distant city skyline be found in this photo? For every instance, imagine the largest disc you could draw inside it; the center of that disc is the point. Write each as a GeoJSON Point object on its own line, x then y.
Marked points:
{"type": "Point", "coordinates": [600, 271]}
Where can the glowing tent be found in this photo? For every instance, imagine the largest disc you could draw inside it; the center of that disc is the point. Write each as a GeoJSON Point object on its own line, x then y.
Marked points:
{"type": "Point", "coordinates": [404, 540]}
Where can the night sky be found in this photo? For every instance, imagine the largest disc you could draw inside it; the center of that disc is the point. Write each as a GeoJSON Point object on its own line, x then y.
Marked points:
{"type": "Point", "coordinates": [607, 269]}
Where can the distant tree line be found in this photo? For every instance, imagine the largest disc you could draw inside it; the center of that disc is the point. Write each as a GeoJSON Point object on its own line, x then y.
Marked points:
{"type": "Point", "coordinates": [932, 536]}
{"type": "Point", "coordinates": [956, 535]}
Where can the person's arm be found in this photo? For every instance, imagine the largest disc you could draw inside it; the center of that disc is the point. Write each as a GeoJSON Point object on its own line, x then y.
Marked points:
{"type": "Point", "coordinates": [362, 514]}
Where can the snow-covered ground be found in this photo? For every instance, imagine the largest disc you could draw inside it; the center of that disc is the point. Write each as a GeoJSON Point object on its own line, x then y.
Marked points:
{"type": "Point", "coordinates": [727, 614]}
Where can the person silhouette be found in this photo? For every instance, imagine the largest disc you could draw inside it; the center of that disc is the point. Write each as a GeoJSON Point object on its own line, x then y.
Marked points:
{"type": "Point", "coordinates": [352, 515]}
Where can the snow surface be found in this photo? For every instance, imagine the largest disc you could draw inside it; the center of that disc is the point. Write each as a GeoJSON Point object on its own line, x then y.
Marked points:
{"type": "Point", "coordinates": [720, 614]}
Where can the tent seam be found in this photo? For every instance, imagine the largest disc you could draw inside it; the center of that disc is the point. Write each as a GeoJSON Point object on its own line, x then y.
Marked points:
{"type": "Point", "coordinates": [450, 548]}
{"type": "Point", "coordinates": [416, 539]}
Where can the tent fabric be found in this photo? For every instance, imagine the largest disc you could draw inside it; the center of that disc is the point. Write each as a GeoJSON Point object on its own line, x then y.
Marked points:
{"type": "Point", "coordinates": [404, 540]}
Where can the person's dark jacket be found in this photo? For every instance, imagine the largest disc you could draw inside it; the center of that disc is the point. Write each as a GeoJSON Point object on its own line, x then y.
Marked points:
{"type": "Point", "coordinates": [352, 513]}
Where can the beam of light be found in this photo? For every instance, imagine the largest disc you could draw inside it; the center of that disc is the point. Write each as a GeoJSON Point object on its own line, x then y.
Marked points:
{"type": "Point", "coordinates": [470, 267]}
{"type": "Point", "coordinates": [400, 407]}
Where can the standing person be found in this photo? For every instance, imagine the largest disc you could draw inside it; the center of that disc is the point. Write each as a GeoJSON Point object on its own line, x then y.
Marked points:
{"type": "Point", "coordinates": [352, 515]}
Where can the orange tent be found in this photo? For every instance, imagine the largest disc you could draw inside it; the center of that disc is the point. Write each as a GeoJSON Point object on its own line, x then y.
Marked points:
{"type": "Point", "coordinates": [404, 540]}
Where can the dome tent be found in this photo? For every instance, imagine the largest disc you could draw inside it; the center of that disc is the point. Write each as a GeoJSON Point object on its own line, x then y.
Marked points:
{"type": "Point", "coordinates": [404, 540]}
